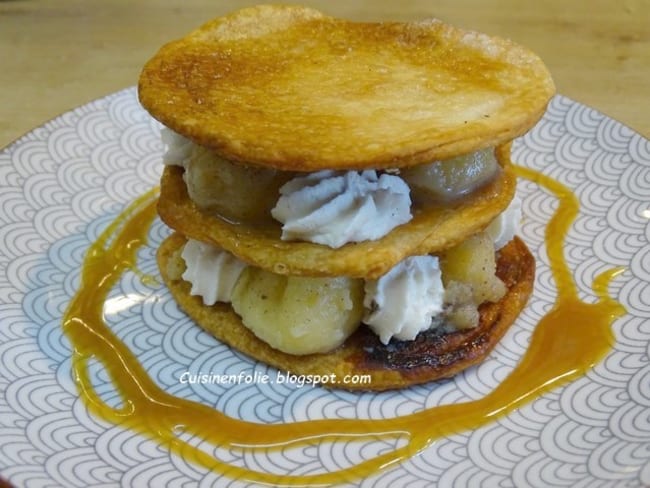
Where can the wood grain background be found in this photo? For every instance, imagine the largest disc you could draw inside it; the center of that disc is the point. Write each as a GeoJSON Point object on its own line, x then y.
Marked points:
{"type": "Point", "coordinates": [57, 55]}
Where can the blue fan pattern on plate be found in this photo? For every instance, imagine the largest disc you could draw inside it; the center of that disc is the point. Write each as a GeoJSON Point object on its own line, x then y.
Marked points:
{"type": "Point", "coordinates": [63, 183]}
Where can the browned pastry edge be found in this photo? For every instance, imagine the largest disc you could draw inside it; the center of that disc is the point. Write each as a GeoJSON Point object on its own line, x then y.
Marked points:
{"type": "Point", "coordinates": [432, 356]}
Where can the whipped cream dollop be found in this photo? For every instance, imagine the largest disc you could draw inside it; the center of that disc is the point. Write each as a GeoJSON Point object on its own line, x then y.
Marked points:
{"type": "Point", "coordinates": [334, 207]}
{"type": "Point", "coordinates": [178, 148]}
{"type": "Point", "coordinates": [403, 302]}
{"type": "Point", "coordinates": [506, 225]}
{"type": "Point", "coordinates": [211, 271]}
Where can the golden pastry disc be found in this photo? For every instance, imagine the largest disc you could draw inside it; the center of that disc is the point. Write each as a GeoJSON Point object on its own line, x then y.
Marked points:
{"type": "Point", "coordinates": [291, 88]}
{"type": "Point", "coordinates": [432, 229]}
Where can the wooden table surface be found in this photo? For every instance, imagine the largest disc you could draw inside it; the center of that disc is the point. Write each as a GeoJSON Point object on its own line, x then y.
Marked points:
{"type": "Point", "coordinates": [57, 55]}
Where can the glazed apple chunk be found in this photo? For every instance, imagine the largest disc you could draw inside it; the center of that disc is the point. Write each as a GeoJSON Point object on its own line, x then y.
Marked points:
{"type": "Point", "coordinates": [469, 276]}
{"type": "Point", "coordinates": [448, 180]}
{"type": "Point", "coordinates": [226, 189]}
{"type": "Point", "coordinates": [298, 315]}
{"type": "Point", "coordinates": [218, 186]}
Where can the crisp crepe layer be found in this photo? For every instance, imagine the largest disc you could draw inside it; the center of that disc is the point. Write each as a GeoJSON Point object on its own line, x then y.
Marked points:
{"type": "Point", "coordinates": [433, 355]}
{"type": "Point", "coordinates": [291, 88]}
{"type": "Point", "coordinates": [432, 229]}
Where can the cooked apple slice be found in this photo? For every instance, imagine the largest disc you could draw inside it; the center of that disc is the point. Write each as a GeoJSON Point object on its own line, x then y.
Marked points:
{"type": "Point", "coordinates": [298, 315]}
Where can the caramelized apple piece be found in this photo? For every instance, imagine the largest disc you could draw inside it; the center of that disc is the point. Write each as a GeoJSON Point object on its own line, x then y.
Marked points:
{"type": "Point", "coordinates": [234, 191]}
{"type": "Point", "coordinates": [447, 180]}
{"type": "Point", "coordinates": [298, 315]}
{"type": "Point", "coordinates": [468, 272]}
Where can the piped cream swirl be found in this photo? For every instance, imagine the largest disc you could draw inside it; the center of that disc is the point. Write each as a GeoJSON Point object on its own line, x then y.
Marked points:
{"type": "Point", "coordinates": [334, 208]}
{"type": "Point", "coordinates": [178, 148]}
{"type": "Point", "coordinates": [211, 271]}
{"type": "Point", "coordinates": [403, 302]}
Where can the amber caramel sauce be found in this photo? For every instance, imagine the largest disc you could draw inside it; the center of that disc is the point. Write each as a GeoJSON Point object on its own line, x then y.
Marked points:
{"type": "Point", "coordinates": [566, 343]}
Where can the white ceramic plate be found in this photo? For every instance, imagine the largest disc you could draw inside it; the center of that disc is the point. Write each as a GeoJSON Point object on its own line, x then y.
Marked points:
{"type": "Point", "coordinates": [61, 185]}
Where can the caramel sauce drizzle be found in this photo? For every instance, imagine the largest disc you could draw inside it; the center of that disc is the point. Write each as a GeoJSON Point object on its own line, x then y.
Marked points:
{"type": "Point", "coordinates": [566, 343]}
